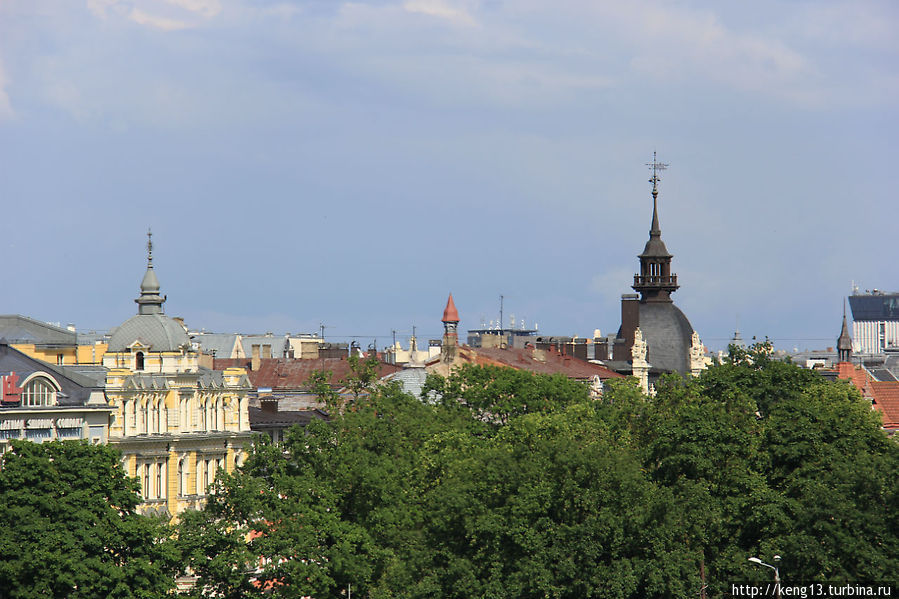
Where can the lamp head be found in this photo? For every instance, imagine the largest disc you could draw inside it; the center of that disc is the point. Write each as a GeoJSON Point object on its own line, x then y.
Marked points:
{"type": "Point", "coordinates": [755, 560]}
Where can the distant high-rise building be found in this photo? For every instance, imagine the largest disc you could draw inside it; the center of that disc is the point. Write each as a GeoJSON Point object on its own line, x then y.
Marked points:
{"type": "Point", "coordinates": [875, 321]}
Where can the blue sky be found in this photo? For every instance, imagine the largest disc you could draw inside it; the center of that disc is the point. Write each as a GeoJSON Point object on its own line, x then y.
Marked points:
{"type": "Point", "coordinates": [352, 163]}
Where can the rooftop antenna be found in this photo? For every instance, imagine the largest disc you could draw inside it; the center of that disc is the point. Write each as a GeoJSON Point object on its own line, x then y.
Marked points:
{"type": "Point", "coordinates": [656, 167]}
{"type": "Point", "coordinates": [500, 313]}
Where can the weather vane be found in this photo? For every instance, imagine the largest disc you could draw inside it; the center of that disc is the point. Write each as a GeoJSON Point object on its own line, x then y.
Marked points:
{"type": "Point", "coordinates": [655, 166]}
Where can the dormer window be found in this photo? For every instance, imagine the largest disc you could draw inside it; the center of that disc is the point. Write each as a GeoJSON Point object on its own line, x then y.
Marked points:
{"type": "Point", "coordinates": [39, 391]}
{"type": "Point", "coordinates": [139, 361]}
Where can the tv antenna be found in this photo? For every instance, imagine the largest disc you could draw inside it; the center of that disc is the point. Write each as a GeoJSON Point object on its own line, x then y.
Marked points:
{"type": "Point", "coordinates": [656, 167]}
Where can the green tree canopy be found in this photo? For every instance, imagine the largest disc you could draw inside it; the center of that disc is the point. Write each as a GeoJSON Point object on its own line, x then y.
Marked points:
{"type": "Point", "coordinates": [68, 526]}
{"type": "Point", "coordinates": [502, 483]}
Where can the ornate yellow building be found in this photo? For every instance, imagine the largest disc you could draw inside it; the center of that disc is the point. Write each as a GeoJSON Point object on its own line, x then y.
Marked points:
{"type": "Point", "coordinates": [176, 423]}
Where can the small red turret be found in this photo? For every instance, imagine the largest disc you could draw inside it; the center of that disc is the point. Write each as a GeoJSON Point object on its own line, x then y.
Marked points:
{"type": "Point", "coordinates": [450, 314]}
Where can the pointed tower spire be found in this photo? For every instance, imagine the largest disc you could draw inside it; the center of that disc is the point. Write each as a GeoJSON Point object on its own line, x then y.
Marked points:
{"type": "Point", "coordinates": [655, 283]}
{"type": "Point", "coordinates": [150, 302]}
{"type": "Point", "coordinates": [844, 341]}
{"type": "Point", "coordinates": [450, 335]}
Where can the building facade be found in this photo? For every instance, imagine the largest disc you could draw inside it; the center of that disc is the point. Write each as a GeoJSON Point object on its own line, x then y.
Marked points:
{"type": "Point", "coordinates": [176, 423]}
{"type": "Point", "coordinates": [40, 402]}
{"type": "Point", "coordinates": [875, 321]}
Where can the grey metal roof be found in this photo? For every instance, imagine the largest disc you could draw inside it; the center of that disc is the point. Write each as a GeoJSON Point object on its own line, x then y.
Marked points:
{"type": "Point", "coordinates": [220, 343]}
{"type": "Point", "coordinates": [16, 328]}
{"type": "Point", "coordinates": [157, 331]}
{"type": "Point", "coordinates": [668, 335]}
{"type": "Point", "coordinates": [279, 344]}
{"type": "Point", "coordinates": [411, 379]}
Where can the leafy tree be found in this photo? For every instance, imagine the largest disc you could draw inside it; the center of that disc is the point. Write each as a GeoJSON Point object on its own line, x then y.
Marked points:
{"type": "Point", "coordinates": [68, 526]}
{"type": "Point", "coordinates": [272, 529]}
{"type": "Point", "coordinates": [497, 394]}
{"type": "Point", "coordinates": [518, 485]}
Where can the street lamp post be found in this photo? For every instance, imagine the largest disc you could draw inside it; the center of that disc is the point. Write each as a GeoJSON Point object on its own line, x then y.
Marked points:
{"type": "Point", "coordinates": [756, 560]}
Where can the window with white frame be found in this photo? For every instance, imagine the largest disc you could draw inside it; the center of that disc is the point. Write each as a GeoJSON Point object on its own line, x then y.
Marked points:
{"type": "Point", "coordinates": [39, 391]}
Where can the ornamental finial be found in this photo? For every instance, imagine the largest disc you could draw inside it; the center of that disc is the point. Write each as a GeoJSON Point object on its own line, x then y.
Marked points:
{"type": "Point", "coordinates": [149, 248]}
{"type": "Point", "coordinates": [656, 167]}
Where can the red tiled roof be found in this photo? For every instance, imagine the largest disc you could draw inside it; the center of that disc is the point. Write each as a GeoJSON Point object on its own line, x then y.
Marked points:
{"type": "Point", "coordinates": [886, 399]}
{"type": "Point", "coordinates": [285, 373]}
{"type": "Point", "coordinates": [884, 395]}
{"type": "Point", "coordinates": [537, 361]}
{"type": "Point", "coordinates": [856, 375]}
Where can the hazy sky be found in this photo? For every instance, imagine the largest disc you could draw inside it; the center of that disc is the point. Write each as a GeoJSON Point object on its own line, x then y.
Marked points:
{"type": "Point", "coordinates": [352, 163]}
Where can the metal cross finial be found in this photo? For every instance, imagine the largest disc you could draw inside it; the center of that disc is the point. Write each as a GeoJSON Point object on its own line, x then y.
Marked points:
{"type": "Point", "coordinates": [149, 247]}
{"type": "Point", "coordinates": [655, 166]}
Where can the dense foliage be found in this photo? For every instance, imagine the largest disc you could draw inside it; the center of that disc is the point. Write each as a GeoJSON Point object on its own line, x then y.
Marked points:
{"type": "Point", "coordinates": [505, 484]}
{"type": "Point", "coordinates": [68, 527]}
{"type": "Point", "coordinates": [496, 483]}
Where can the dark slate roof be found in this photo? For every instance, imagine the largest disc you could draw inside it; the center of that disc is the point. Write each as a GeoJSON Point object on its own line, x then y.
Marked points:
{"type": "Point", "coordinates": [95, 373]}
{"type": "Point", "coordinates": [156, 331]}
{"type": "Point", "coordinates": [21, 329]}
{"type": "Point", "coordinates": [668, 335]}
{"type": "Point", "coordinates": [261, 419]}
{"type": "Point", "coordinates": [76, 388]}
{"type": "Point", "coordinates": [882, 374]}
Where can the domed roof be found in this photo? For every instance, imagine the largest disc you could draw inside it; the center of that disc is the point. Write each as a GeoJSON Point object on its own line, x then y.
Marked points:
{"type": "Point", "coordinates": [151, 327]}
{"type": "Point", "coordinates": [668, 335]}
{"type": "Point", "coordinates": [158, 332]}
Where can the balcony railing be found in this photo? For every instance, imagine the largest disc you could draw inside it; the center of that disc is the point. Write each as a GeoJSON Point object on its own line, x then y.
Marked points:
{"type": "Point", "coordinates": [655, 280]}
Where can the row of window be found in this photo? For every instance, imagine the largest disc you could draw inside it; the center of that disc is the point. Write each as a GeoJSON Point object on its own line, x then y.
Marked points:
{"type": "Point", "coordinates": [153, 475]}
{"type": "Point", "coordinates": [152, 417]}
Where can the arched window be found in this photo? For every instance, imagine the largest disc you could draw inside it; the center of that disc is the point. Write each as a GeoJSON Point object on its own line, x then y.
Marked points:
{"type": "Point", "coordinates": [39, 391]}
{"type": "Point", "coordinates": [162, 428]}
{"type": "Point", "coordinates": [139, 361]}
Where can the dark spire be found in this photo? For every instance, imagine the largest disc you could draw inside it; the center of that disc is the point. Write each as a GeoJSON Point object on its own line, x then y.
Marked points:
{"type": "Point", "coordinates": [655, 281]}
{"type": "Point", "coordinates": [150, 302]}
{"type": "Point", "coordinates": [844, 342]}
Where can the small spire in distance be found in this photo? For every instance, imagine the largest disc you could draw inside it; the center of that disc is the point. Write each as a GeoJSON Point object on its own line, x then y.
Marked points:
{"type": "Point", "coordinates": [450, 314]}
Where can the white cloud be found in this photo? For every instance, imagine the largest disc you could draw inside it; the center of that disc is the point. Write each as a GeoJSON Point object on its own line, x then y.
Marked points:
{"type": "Point", "coordinates": [163, 23]}
{"type": "Point", "coordinates": [206, 8]}
{"type": "Point", "coordinates": [441, 10]}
